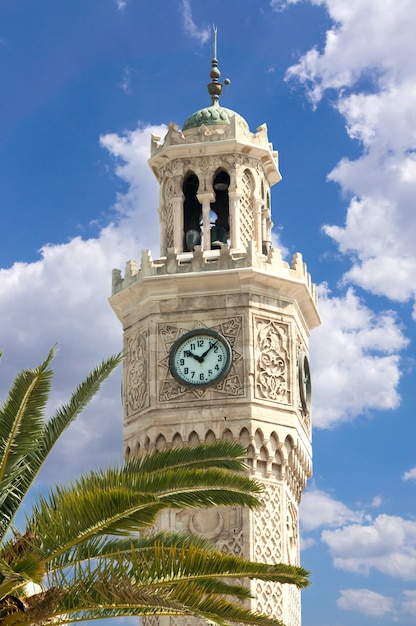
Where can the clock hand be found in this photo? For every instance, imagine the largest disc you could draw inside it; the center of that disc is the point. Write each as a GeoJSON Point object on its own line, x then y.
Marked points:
{"type": "Point", "coordinates": [194, 356]}
{"type": "Point", "coordinates": [211, 345]}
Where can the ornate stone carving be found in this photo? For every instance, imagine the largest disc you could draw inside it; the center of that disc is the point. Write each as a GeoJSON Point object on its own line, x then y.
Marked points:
{"type": "Point", "coordinates": [267, 535]}
{"type": "Point", "coordinates": [137, 375]}
{"type": "Point", "coordinates": [267, 525]}
{"type": "Point", "coordinates": [246, 210]}
{"type": "Point", "coordinates": [168, 213]}
{"type": "Point", "coordinates": [272, 360]}
{"type": "Point", "coordinates": [170, 389]}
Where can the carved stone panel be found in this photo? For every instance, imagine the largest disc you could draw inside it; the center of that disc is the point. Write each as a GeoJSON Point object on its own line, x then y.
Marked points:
{"type": "Point", "coordinates": [272, 354]}
{"type": "Point", "coordinates": [267, 537]}
{"type": "Point", "coordinates": [223, 527]}
{"type": "Point", "coordinates": [170, 389]}
{"type": "Point", "coordinates": [136, 391]}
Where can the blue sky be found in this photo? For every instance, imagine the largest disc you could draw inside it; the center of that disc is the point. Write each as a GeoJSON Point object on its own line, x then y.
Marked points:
{"type": "Point", "coordinates": [83, 86]}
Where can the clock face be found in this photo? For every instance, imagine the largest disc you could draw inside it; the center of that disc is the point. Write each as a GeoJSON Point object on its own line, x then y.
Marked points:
{"type": "Point", "coordinates": [305, 385]}
{"type": "Point", "coordinates": [200, 358]}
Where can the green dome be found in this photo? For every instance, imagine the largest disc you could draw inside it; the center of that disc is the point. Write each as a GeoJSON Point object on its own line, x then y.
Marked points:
{"type": "Point", "coordinates": [214, 115]}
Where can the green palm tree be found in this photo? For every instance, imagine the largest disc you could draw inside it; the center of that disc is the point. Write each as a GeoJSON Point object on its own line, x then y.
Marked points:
{"type": "Point", "coordinates": [81, 557]}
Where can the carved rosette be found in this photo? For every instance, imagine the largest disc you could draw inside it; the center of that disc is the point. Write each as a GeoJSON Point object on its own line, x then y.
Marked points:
{"type": "Point", "coordinates": [272, 360]}
{"type": "Point", "coordinates": [136, 373]}
{"type": "Point", "coordinates": [170, 389]}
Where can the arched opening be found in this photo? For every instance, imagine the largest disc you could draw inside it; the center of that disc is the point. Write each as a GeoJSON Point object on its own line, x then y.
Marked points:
{"type": "Point", "coordinates": [227, 435]}
{"type": "Point", "coordinates": [245, 437]}
{"type": "Point", "coordinates": [177, 441]}
{"type": "Point", "coordinates": [210, 437]}
{"type": "Point", "coordinates": [262, 461]}
{"type": "Point", "coordinates": [220, 226]}
{"type": "Point", "coordinates": [193, 439]}
{"type": "Point", "coordinates": [192, 213]}
{"type": "Point", "coordinates": [160, 443]}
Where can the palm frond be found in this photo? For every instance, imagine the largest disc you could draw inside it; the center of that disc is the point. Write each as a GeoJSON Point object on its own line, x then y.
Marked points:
{"type": "Point", "coordinates": [38, 437]}
{"type": "Point", "coordinates": [119, 503]}
{"type": "Point", "coordinates": [225, 454]}
{"type": "Point", "coordinates": [21, 425]}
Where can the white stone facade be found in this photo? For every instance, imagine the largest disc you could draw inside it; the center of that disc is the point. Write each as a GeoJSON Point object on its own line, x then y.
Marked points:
{"type": "Point", "coordinates": [265, 308]}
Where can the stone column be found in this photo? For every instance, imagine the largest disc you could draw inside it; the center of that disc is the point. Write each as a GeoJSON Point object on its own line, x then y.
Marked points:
{"type": "Point", "coordinates": [205, 199]}
{"type": "Point", "coordinates": [178, 234]}
{"type": "Point", "coordinates": [257, 207]}
{"type": "Point", "coordinates": [235, 232]}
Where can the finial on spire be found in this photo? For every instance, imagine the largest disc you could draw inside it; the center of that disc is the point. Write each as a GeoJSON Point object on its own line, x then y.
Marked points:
{"type": "Point", "coordinates": [215, 87]}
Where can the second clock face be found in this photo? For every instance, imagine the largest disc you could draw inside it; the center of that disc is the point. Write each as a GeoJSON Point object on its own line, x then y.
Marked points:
{"type": "Point", "coordinates": [200, 358]}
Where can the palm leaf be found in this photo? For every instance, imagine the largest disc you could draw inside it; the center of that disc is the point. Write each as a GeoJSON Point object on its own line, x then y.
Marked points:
{"type": "Point", "coordinates": [118, 503]}
{"type": "Point", "coordinates": [36, 438]}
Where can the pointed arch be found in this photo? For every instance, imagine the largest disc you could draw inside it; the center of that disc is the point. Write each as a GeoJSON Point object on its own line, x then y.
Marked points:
{"type": "Point", "coordinates": [192, 212]}
{"type": "Point", "coordinates": [210, 437]}
{"type": "Point", "coordinates": [262, 461]}
{"type": "Point", "coordinates": [177, 440]}
{"type": "Point", "coordinates": [160, 443]}
{"type": "Point", "coordinates": [245, 437]}
{"type": "Point", "coordinates": [258, 438]}
{"type": "Point", "coordinates": [193, 438]}
{"type": "Point", "coordinates": [220, 230]}
{"type": "Point", "coordinates": [227, 435]}
{"type": "Point", "coordinates": [274, 441]}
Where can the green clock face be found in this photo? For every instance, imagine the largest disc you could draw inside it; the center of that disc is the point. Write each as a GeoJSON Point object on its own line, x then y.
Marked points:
{"type": "Point", "coordinates": [200, 358]}
{"type": "Point", "coordinates": [305, 385]}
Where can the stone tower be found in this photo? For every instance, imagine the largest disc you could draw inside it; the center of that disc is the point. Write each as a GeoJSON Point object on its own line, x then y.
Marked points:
{"type": "Point", "coordinates": [216, 335]}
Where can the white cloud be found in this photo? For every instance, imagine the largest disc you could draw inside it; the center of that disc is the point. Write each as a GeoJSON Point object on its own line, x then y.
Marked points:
{"type": "Point", "coordinates": [355, 360]}
{"type": "Point", "coordinates": [410, 475]}
{"type": "Point", "coordinates": [408, 604]}
{"type": "Point", "coordinates": [375, 91]}
{"type": "Point", "coordinates": [365, 601]}
{"type": "Point", "coordinates": [191, 29]}
{"type": "Point", "coordinates": [62, 298]}
{"type": "Point", "coordinates": [387, 544]}
{"type": "Point", "coordinates": [319, 509]}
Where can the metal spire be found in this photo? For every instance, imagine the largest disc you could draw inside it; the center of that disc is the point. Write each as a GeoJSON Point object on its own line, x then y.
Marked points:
{"type": "Point", "coordinates": [215, 87]}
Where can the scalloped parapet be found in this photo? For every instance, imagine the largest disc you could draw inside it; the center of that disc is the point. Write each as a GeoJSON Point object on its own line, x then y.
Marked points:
{"type": "Point", "coordinates": [272, 272]}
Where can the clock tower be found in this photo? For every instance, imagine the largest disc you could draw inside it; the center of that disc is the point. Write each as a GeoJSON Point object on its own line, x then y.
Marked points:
{"type": "Point", "coordinates": [216, 336]}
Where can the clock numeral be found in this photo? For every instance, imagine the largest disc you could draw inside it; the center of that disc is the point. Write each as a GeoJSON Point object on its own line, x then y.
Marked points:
{"type": "Point", "coordinates": [186, 370]}
{"type": "Point", "coordinates": [219, 358]}
{"type": "Point", "coordinates": [215, 347]}
{"type": "Point", "coordinates": [217, 367]}
{"type": "Point", "coordinates": [193, 374]}
{"type": "Point", "coordinates": [192, 346]}
{"type": "Point", "coordinates": [209, 372]}
{"type": "Point", "coordinates": [200, 343]}
{"type": "Point", "coordinates": [181, 361]}
{"type": "Point", "coordinates": [201, 377]}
